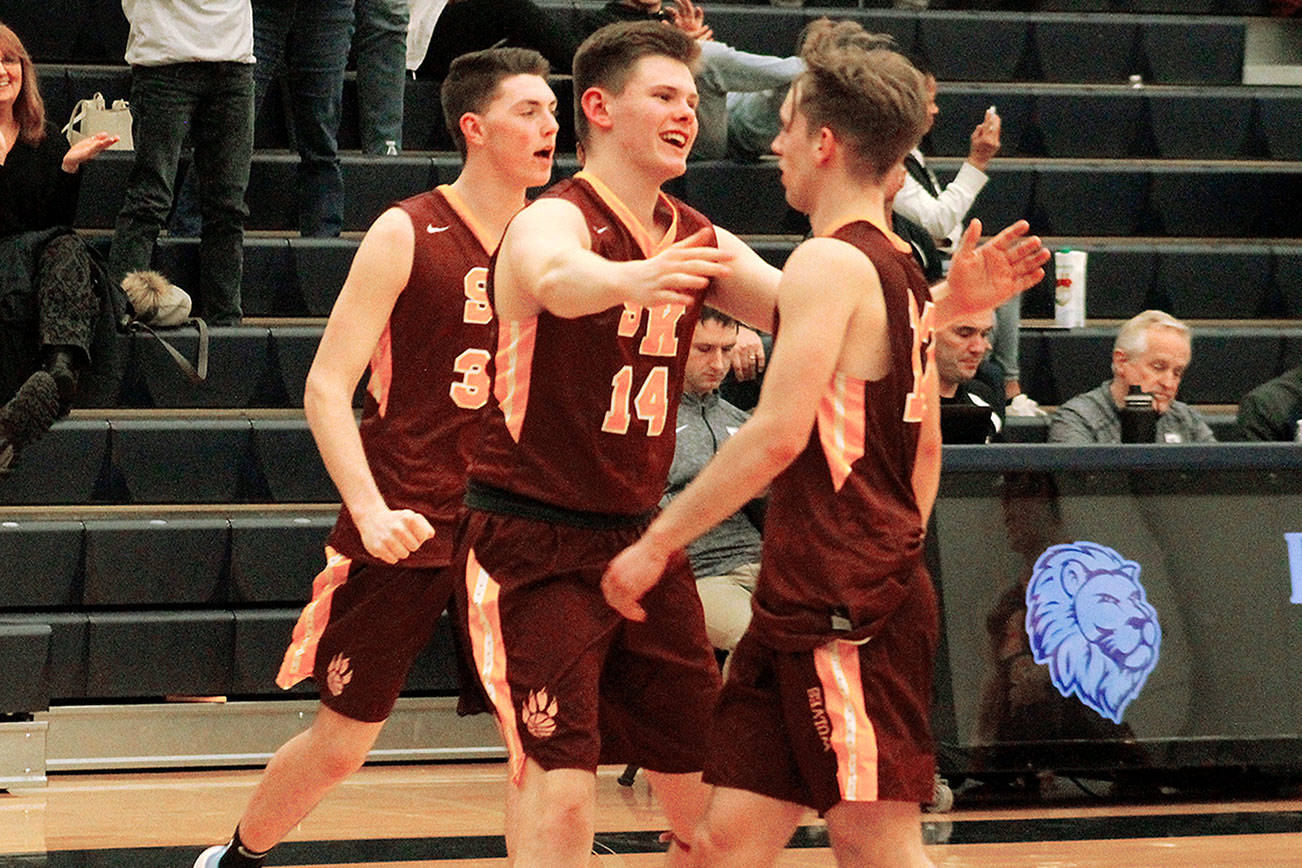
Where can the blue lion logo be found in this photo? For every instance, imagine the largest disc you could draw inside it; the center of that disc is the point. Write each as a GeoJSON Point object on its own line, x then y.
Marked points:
{"type": "Point", "coordinates": [1088, 618]}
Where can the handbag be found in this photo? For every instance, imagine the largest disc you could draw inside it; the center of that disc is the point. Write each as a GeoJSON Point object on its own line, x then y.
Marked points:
{"type": "Point", "coordinates": [92, 116]}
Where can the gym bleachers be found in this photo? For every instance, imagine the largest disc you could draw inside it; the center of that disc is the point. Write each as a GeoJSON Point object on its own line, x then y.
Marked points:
{"type": "Point", "coordinates": [163, 546]}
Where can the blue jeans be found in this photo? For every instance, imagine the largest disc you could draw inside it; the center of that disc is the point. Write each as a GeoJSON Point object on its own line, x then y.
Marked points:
{"type": "Point", "coordinates": [214, 103]}
{"type": "Point", "coordinates": [380, 43]}
{"type": "Point", "coordinates": [310, 38]}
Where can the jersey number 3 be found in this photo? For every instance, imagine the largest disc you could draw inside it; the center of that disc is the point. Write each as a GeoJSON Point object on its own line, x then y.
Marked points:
{"type": "Point", "coordinates": [471, 391]}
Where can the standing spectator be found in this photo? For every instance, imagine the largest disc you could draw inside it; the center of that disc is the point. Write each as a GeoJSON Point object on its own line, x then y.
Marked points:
{"type": "Point", "coordinates": [380, 48]}
{"type": "Point", "coordinates": [191, 73]}
{"type": "Point", "coordinates": [47, 279]}
{"type": "Point", "coordinates": [442, 29]}
{"type": "Point", "coordinates": [1152, 351]}
{"type": "Point", "coordinates": [310, 39]}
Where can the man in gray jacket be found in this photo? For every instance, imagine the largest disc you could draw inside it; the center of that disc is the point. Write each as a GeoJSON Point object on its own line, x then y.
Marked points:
{"type": "Point", "coordinates": [1152, 351]}
{"type": "Point", "coordinates": [726, 560]}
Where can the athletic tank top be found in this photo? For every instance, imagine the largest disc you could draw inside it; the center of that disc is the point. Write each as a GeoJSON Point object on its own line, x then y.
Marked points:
{"type": "Point", "coordinates": [429, 377]}
{"type": "Point", "coordinates": [583, 409]}
{"type": "Point", "coordinates": [843, 533]}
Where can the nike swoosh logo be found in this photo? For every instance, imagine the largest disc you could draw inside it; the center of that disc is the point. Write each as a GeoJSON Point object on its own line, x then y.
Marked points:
{"type": "Point", "coordinates": [600, 229]}
{"type": "Point", "coordinates": [680, 429]}
{"type": "Point", "coordinates": [431, 228]}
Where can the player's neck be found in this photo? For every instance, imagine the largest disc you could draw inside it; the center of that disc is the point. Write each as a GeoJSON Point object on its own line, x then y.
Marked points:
{"type": "Point", "coordinates": [843, 202]}
{"type": "Point", "coordinates": [638, 192]}
{"type": "Point", "coordinates": [492, 198]}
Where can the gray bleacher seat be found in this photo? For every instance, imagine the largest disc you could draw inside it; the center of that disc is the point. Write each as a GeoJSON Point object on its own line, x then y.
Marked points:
{"type": "Point", "coordinates": [435, 668]}
{"type": "Point", "coordinates": [261, 637]}
{"type": "Point", "coordinates": [1007, 200]}
{"type": "Point", "coordinates": [1278, 113]}
{"type": "Point", "coordinates": [772, 31]}
{"type": "Point", "coordinates": [290, 462]}
{"type": "Point", "coordinates": [1119, 282]}
{"type": "Point", "coordinates": [1193, 51]}
{"type": "Point", "coordinates": [61, 467]}
{"type": "Point", "coordinates": [24, 647]}
{"type": "Point", "coordinates": [184, 460]}
{"type": "Point", "coordinates": [1204, 202]}
{"type": "Point", "coordinates": [65, 667]}
{"type": "Point", "coordinates": [385, 180]}
{"type": "Point", "coordinates": [238, 368]}
{"type": "Point", "coordinates": [964, 47]}
{"type": "Point", "coordinates": [155, 654]}
{"type": "Point", "coordinates": [273, 558]}
{"type": "Point", "coordinates": [1074, 124]}
{"type": "Point", "coordinates": [1226, 365]}
{"type": "Point", "coordinates": [39, 563]}
{"type": "Point", "coordinates": [741, 197]}
{"type": "Point", "coordinates": [320, 267]}
{"type": "Point", "coordinates": [294, 347]}
{"type": "Point", "coordinates": [1085, 200]}
{"type": "Point", "coordinates": [1201, 282]}
{"type": "Point", "coordinates": [1079, 50]}
{"type": "Point", "coordinates": [175, 561]}
{"type": "Point", "coordinates": [1070, 362]}
{"type": "Point", "coordinates": [1288, 279]}
{"type": "Point", "coordinates": [1194, 127]}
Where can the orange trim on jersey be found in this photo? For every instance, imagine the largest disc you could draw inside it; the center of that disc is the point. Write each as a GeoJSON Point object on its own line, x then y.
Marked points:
{"type": "Point", "coordinates": [515, 344]}
{"type": "Point", "coordinates": [896, 241]}
{"type": "Point", "coordinates": [458, 205]}
{"type": "Point", "coordinates": [841, 425]}
{"type": "Point", "coordinates": [631, 223]}
{"type": "Point", "coordinates": [853, 738]}
{"type": "Point", "coordinates": [486, 643]}
{"type": "Point", "coordinates": [381, 381]}
{"type": "Point", "coordinates": [301, 654]}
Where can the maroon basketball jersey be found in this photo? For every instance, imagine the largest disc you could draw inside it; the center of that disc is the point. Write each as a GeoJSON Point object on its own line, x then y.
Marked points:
{"type": "Point", "coordinates": [843, 532]}
{"type": "Point", "coordinates": [583, 411]}
{"type": "Point", "coordinates": [429, 376]}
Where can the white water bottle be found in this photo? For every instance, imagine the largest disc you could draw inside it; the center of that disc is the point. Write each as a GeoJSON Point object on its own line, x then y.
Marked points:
{"type": "Point", "coordinates": [1069, 288]}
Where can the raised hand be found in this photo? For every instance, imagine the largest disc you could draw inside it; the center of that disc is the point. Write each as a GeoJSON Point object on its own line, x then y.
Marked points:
{"type": "Point", "coordinates": [985, 140]}
{"type": "Point", "coordinates": [690, 19]}
{"type": "Point", "coordinates": [984, 277]}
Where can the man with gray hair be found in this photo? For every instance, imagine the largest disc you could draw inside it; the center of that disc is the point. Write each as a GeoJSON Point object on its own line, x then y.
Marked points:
{"type": "Point", "coordinates": [1152, 352]}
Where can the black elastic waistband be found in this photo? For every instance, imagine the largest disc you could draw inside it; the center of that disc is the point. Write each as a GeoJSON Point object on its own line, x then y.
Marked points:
{"type": "Point", "coordinates": [489, 499]}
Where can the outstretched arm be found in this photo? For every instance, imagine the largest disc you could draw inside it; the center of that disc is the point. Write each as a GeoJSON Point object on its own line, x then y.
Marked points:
{"type": "Point", "coordinates": [546, 263]}
{"type": "Point", "coordinates": [379, 272]}
{"type": "Point", "coordinates": [815, 316]}
{"type": "Point", "coordinates": [982, 278]}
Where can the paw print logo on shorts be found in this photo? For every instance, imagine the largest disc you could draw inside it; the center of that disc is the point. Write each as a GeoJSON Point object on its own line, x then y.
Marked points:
{"type": "Point", "coordinates": [539, 713]}
{"type": "Point", "coordinates": [338, 675]}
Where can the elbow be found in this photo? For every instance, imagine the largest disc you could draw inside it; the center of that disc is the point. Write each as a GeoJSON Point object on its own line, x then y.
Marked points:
{"type": "Point", "coordinates": [782, 449]}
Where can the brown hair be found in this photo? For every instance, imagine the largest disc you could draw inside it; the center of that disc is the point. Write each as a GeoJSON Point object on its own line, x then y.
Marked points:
{"type": "Point", "coordinates": [29, 108]}
{"type": "Point", "coordinates": [872, 98]}
{"type": "Point", "coordinates": [473, 79]}
{"type": "Point", "coordinates": [711, 314]}
{"type": "Point", "coordinates": [606, 58]}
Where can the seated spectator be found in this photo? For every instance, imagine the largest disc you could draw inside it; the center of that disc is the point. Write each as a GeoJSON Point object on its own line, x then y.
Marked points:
{"type": "Point", "coordinates": [726, 559]}
{"type": "Point", "coordinates": [961, 347]}
{"type": "Point", "coordinates": [191, 75]}
{"type": "Point", "coordinates": [1272, 410]}
{"type": "Point", "coordinates": [48, 280]}
{"type": "Point", "coordinates": [444, 29]}
{"type": "Point", "coordinates": [1152, 351]}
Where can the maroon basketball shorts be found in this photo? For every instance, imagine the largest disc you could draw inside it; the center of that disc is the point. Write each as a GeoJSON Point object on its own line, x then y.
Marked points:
{"type": "Point", "coordinates": [573, 684]}
{"type": "Point", "coordinates": [843, 721]}
{"type": "Point", "coordinates": [364, 627]}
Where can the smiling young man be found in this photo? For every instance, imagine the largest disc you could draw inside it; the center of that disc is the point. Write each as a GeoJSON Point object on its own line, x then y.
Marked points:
{"type": "Point", "coordinates": [597, 288]}
{"type": "Point", "coordinates": [415, 308]}
{"type": "Point", "coordinates": [827, 701]}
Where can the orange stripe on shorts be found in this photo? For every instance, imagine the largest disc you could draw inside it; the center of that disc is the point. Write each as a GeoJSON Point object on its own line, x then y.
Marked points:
{"type": "Point", "coordinates": [853, 739]}
{"type": "Point", "coordinates": [490, 656]}
{"type": "Point", "coordinates": [301, 654]}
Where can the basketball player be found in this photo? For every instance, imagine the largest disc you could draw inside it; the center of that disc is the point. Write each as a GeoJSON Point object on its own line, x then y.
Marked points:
{"type": "Point", "coordinates": [827, 700]}
{"type": "Point", "coordinates": [597, 288]}
{"type": "Point", "coordinates": [415, 306]}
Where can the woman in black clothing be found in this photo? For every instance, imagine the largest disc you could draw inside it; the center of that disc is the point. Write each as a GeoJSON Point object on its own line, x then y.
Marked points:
{"type": "Point", "coordinates": [48, 301]}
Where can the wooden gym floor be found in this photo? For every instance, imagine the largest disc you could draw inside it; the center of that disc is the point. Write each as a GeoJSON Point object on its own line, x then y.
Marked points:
{"type": "Point", "coordinates": [419, 816]}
